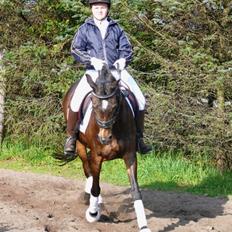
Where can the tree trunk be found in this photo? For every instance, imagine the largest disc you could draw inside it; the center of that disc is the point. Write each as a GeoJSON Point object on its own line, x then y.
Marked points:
{"type": "Point", "coordinates": [2, 96]}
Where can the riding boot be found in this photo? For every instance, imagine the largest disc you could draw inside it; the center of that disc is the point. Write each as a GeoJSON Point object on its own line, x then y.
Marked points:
{"type": "Point", "coordinates": [72, 132]}
{"type": "Point", "coordinates": [141, 146]}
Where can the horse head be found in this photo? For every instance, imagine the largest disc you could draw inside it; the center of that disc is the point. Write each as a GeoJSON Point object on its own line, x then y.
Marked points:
{"type": "Point", "coordinates": [106, 101]}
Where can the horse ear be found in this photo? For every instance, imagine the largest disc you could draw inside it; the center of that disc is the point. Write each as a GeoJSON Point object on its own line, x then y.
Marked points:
{"type": "Point", "coordinates": [91, 82]}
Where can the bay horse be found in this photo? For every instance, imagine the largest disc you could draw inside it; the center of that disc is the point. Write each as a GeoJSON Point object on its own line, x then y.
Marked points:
{"type": "Point", "coordinates": [110, 134]}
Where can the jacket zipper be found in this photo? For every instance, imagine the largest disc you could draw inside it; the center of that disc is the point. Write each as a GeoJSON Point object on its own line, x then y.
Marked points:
{"type": "Point", "coordinates": [104, 45]}
{"type": "Point", "coordinates": [104, 50]}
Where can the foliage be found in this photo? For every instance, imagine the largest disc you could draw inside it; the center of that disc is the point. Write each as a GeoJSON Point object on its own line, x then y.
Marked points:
{"type": "Point", "coordinates": [182, 60]}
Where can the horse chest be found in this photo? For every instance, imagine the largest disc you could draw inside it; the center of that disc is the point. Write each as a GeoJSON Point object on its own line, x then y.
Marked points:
{"type": "Point", "coordinates": [109, 151]}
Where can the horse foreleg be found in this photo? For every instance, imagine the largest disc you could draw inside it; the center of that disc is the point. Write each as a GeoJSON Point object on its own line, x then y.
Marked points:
{"type": "Point", "coordinates": [93, 213]}
{"type": "Point", "coordinates": [81, 151]}
{"type": "Point", "coordinates": [131, 165]}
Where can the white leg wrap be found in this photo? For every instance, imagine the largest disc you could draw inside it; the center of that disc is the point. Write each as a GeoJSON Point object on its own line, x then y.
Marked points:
{"type": "Point", "coordinates": [94, 208]}
{"type": "Point", "coordinates": [93, 204]}
{"type": "Point", "coordinates": [140, 213]}
{"type": "Point", "coordinates": [88, 184]}
{"type": "Point", "coordinates": [100, 200]}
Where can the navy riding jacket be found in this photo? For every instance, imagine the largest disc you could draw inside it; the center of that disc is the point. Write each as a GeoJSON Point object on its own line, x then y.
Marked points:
{"type": "Point", "coordinates": [88, 43]}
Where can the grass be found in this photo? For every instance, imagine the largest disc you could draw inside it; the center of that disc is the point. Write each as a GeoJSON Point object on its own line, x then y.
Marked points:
{"type": "Point", "coordinates": [160, 171]}
{"type": "Point", "coordinates": [168, 172]}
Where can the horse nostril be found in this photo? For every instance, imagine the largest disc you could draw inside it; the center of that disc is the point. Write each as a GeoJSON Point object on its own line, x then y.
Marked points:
{"type": "Point", "coordinates": [110, 137]}
{"type": "Point", "coordinates": [104, 141]}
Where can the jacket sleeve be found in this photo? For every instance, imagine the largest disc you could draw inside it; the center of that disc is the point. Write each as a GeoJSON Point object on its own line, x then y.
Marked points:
{"type": "Point", "coordinates": [125, 48]}
{"type": "Point", "coordinates": [78, 47]}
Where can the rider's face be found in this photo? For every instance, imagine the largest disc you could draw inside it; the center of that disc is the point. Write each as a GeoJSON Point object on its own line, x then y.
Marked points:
{"type": "Point", "coordinates": [100, 10]}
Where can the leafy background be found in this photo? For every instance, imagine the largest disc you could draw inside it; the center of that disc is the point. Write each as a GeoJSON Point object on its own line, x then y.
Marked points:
{"type": "Point", "coordinates": [182, 61]}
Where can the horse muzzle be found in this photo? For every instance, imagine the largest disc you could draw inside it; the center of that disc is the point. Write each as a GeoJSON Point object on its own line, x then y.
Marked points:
{"type": "Point", "coordinates": [105, 140]}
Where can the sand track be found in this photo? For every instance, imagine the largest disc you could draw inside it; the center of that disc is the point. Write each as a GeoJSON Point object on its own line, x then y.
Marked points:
{"type": "Point", "coordinates": [32, 202]}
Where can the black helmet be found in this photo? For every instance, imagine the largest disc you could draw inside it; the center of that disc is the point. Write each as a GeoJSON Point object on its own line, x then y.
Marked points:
{"type": "Point", "coordinates": [100, 1]}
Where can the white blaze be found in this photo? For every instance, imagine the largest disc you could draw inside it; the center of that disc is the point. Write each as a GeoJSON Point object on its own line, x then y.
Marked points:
{"type": "Point", "coordinates": [104, 104]}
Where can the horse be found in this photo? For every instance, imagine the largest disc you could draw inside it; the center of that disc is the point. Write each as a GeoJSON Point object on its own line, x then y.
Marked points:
{"type": "Point", "coordinates": [110, 134]}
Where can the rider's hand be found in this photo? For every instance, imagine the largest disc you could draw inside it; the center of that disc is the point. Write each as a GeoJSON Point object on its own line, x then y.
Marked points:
{"type": "Point", "coordinates": [97, 63]}
{"type": "Point", "coordinates": [120, 63]}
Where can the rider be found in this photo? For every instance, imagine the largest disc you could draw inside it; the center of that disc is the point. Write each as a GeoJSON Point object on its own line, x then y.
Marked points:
{"type": "Point", "coordinates": [101, 40]}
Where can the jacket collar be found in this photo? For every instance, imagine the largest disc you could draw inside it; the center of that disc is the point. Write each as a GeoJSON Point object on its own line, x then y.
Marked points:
{"type": "Point", "coordinates": [91, 21]}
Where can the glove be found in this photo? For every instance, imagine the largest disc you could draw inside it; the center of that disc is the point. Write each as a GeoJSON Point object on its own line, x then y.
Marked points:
{"type": "Point", "coordinates": [120, 63]}
{"type": "Point", "coordinates": [97, 63]}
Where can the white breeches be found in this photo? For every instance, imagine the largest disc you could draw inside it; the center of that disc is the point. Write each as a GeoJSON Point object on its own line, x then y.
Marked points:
{"type": "Point", "coordinates": [126, 80]}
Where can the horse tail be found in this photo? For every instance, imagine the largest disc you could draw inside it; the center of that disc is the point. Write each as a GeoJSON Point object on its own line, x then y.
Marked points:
{"type": "Point", "coordinates": [63, 158]}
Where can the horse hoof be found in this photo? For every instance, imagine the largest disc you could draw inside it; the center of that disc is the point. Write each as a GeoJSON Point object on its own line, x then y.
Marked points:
{"type": "Point", "coordinates": [145, 230]}
{"type": "Point", "coordinates": [90, 217]}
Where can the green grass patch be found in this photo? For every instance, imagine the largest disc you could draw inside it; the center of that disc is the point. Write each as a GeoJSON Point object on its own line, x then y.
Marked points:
{"type": "Point", "coordinates": [160, 171]}
{"type": "Point", "coordinates": [35, 158]}
{"type": "Point", "coordinates": [173, 172]}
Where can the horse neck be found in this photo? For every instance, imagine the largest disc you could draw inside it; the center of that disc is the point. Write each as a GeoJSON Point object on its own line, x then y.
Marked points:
{"type": "Point", "coordinates": [125, 114]}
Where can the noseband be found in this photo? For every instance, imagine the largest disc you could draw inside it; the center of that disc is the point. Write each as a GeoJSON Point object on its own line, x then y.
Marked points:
{"type": "Point", "coordinates": [109, 123]}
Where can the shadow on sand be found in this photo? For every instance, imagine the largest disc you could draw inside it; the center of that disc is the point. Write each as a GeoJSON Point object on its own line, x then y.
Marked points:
{"type": "Point", "coordinates": [185, 207]}
{"type": "Point", "coordinates": [4, 228]}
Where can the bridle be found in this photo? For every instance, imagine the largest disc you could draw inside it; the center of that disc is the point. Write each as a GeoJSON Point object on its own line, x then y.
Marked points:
{"type": "Point", "coordinates": [109, 123]}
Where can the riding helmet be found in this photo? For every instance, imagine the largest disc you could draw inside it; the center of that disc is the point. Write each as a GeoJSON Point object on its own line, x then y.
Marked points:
{"type": "Point", "coordinates": [100, 1]}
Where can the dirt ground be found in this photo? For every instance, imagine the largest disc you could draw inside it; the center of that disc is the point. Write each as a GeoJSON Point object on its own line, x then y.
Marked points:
{"type": "Point", "coordinates": [32, 202]}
